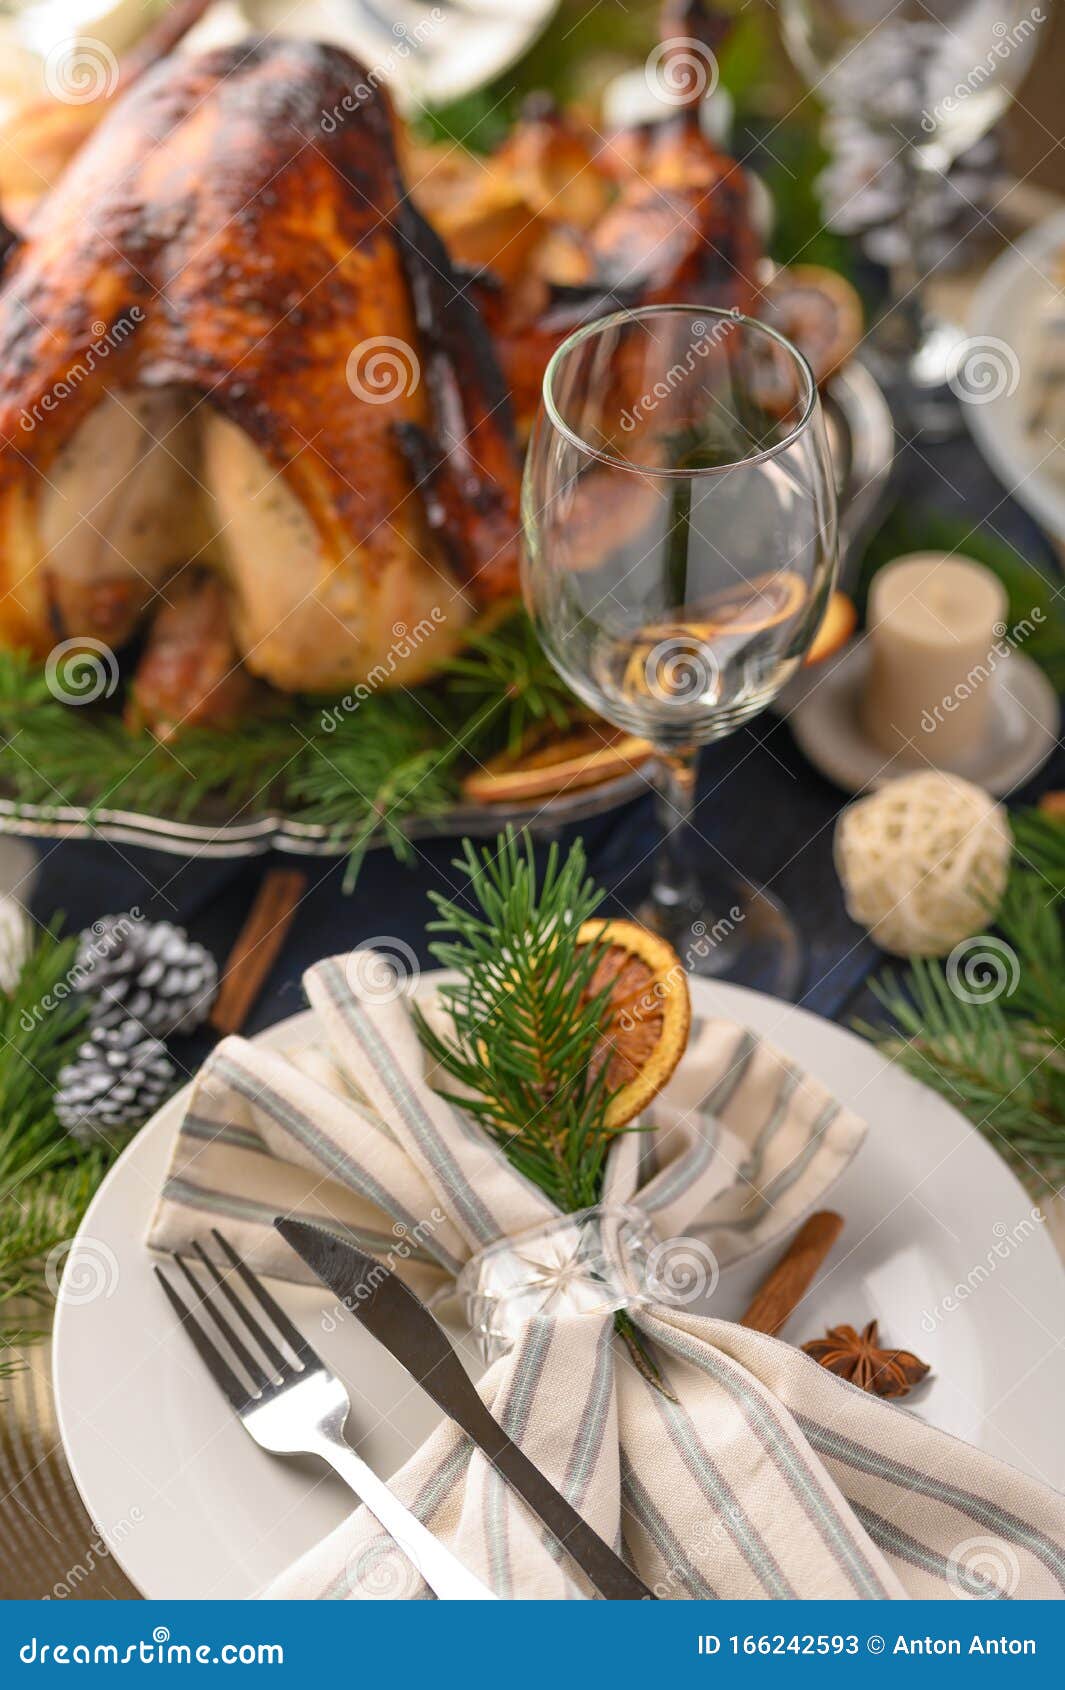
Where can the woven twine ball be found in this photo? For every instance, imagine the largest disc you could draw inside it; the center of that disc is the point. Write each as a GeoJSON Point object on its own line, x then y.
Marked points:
{"type": "Point", "coordinates": [923, 862]}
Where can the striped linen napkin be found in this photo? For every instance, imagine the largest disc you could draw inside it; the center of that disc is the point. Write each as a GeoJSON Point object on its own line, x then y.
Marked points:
{"type": "Point", "coordinates": [766, 1477]}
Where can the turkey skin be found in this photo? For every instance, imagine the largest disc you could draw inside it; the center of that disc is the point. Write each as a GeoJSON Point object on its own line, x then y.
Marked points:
{"type": "Point", "coordinates": [235, 359]}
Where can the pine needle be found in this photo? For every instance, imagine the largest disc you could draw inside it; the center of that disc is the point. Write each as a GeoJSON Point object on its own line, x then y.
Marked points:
{"type": "Point", "coordinates": [1000, 1059]}
{"type": "Point", "coordinates": [46, 1177]}
{"type": "Point", "coordinates": [526, 1026]}
{"type": "Point", "coordinates": [506, 670]}
{"type": "Point", "coordinates": [364, 767]}
{"type": "Point", "coordinates": [526, 1023]}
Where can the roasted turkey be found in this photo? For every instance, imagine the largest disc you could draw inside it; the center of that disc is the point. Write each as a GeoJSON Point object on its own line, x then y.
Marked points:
{"type": "Point", "coordinates": [230, 338]}
{"type": "Point", "coordinates": [253, 405]}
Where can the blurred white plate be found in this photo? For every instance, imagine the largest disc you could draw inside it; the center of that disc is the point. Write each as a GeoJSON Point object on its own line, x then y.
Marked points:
{"type": "Point", "coordinates": [1005, 313]}
{"type": "Point", "coordinates": [427, 53]}
{"type": "Point", "coordinates": [935, 1222]}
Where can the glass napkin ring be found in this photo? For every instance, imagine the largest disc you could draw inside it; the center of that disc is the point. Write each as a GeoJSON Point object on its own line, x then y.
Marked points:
{"type": "Point", "coordinates": [594, 1261]}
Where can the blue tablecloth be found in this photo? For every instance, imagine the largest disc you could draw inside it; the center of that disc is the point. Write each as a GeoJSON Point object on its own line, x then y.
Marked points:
{"type": "Point", "coordinates": [762, 807]}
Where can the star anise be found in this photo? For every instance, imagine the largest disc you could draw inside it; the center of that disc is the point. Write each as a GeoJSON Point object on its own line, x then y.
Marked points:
{"type": "Point", "coordinates": [857, 1356]}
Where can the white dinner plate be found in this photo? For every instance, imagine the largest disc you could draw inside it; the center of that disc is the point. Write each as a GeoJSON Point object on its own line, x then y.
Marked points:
{"type": "Point", "coordinates": [1007, 354]}
{"type": "Point", "coordinates": [940, 1245]}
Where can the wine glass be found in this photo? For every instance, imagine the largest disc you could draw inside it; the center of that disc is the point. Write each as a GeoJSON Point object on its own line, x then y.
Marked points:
{"type": "Point", "coordinates": [679, 510]}
{"type": "Point", "coordinates": [930, 77]}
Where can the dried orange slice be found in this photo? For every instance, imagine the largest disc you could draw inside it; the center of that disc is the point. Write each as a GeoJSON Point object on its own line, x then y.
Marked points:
{"type": "Point", "coordinates": [649, 1013]}
{"type": "Point", "coordinates": [819, 312]}
{"type": "Point", "coordinates": [551, 763]}
{"type": "Point", "coordinates": [679, 659]}
{"type": "Point", "coordinates": [837, 626]}
{"type": "Point", "coordinates": [759, 604]}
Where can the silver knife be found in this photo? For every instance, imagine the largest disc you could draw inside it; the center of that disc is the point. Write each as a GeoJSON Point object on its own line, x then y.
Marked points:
{"type": "Point", "coordinates": [403, 1324]}
{"type": "Point", "coordinates": [299, 1410]}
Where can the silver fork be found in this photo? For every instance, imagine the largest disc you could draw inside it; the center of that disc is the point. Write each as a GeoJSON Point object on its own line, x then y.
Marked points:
{"type": "Point", "coordinates": [301, 1409]}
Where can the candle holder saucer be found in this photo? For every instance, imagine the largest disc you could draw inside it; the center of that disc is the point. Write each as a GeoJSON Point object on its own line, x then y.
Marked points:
{"type": "Point", "coordinates": [1022, 732]}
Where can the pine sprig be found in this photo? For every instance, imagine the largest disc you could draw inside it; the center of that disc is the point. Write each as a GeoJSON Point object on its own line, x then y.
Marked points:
{"type": "Point", "coordinates": [999, 1058]}
{"type": "Point", "coordinates": [522, 1048]}
{"type": "Point", "coordinates": [391, 760]}
{"type": "Point", "coordinates": [1040, 843]}
{"type": "Point", "coordinates": [363, 767]}
{"type": "Point", "coordinates": [43, 1213]}
{"type": "Point", "coordinates": [46, 1177]}
{"type": "Point", "coordinates": [505, 671]}
{"type": "Point", "coordinates": [525, 1022]}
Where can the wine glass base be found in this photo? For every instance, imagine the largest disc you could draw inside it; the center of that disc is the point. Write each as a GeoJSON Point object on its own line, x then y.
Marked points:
{"type": "Point", "coordinates": [745, 936]}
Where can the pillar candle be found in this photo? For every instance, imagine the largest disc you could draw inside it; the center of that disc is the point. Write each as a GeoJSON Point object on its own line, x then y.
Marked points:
{"type": "Point", "coordinates": [936, 628]}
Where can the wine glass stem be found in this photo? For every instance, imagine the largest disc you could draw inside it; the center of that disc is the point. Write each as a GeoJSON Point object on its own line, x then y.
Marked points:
{"type": "Point", "coordinates": [676, 885]}
{"type": "Point", "coordinates": [909, 275]}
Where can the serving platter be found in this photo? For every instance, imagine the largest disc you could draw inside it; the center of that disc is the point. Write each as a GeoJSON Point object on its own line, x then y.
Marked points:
{"type": "Point", "coordinates": [941, 1243]}
{"type": "Point", "coordinates": [862, 440]}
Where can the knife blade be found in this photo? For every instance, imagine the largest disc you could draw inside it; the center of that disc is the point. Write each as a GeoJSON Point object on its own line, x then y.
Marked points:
{"type": "Point", "coordinates": [402, 1323]}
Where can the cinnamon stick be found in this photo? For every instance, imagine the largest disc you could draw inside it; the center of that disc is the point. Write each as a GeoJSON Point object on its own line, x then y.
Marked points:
{"type": "Point", "coordinates": [785, 1286]}
{"type": "Point", "coordinates": [257, 946]}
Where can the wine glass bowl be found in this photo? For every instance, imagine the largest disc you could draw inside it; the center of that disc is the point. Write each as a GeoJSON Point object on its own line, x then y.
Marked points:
{"type": "Point", "coordinates": [680, 522]}
{"type": "Point", "coordinates": [937, 74]}
{"type": "Point", "coordinates": [930, 77]}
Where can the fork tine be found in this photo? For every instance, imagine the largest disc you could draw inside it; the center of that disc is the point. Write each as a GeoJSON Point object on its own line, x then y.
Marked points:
{"type": "Point", "coordinates": [216, 1365]}
{"type": "Point", "coordinates": [277, 1361]}
{"type": "Point", "coordinates": [258, 1378]}
{"type": "Point", "coordinates": [290, 1333]}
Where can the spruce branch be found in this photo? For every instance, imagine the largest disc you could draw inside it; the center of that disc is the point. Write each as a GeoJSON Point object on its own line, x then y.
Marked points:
{"type": "Point", "coordinates": [523, 1049]}
{"type": "Point", "coordinates": [1040, 842]}
{"type": "Point", "coordinates": [505, 672]}
{"type": "Point", "coordinates": [526, 1025]}
{"type": "Point", "coordinates": [364, 767]}
{"type": "Point", "coordinates": [46, 1177]}
{"type": "Point", "coordinates": [998, 1057]}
